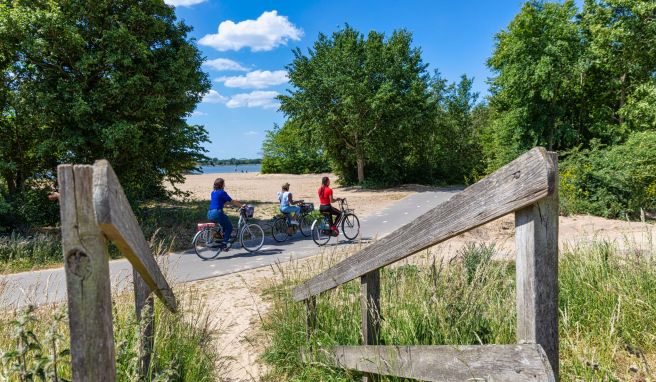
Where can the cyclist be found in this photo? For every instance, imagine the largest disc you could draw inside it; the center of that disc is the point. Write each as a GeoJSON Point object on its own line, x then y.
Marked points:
{"type": "Point", "coordinates": [218, 199]}
{"type": "Point", "coordinates": [288, 205]}
{"type": "Point", "coordinates": [325, 206]}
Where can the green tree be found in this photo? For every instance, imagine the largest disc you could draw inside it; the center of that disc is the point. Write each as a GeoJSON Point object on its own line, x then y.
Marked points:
{"type": "Point", "coordinates": [457, 151]}
{"type": "Point", "coordinates": [291, 150]}
{"type": "Point", "coordinates": [619, 64]}
{"type": "Point", "coordinates": [83, 80]}
{"type": "Point", "coordinates": [536, 88]}
{"type": "Point", "coordinates": [365, 98]}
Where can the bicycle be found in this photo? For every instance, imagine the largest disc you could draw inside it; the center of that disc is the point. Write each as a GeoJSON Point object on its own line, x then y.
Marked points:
{"type": "Point", "coordinates": [210, 236]}
{"type": "Point", "coordinates": [282, 228]}
{"type": "Point", "coordinates": [350, 224]}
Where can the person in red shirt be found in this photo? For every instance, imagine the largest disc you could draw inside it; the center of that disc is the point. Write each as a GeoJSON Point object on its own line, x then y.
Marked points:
{"type": "Point", "coordinates": [325, 200]}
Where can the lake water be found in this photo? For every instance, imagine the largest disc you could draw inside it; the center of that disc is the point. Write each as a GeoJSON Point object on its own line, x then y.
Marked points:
{"type": "Point", "coordinates": [225, 169]}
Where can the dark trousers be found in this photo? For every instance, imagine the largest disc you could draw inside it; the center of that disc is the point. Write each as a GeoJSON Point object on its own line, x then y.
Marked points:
{"type": "Point", "coordinates": [327, 208]}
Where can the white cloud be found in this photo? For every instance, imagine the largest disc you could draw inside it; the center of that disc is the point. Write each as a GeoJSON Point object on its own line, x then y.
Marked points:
{"type": "Point", "coordinates": [258, 79]}
{"type": "Point", "coordinates": [251, 132]}
{"type": "Point", "coordinates": [258, 98]}
{"type": "Point", "coordinates": [214, 97]}
{"type": "Point", "coordinates": [197, 113]}
{"type": "Point", "coordinates": [267, 32]}
{"type": "Point", "coordinates": [183, 3]}
{"type": "Point", "coordinates": [224, 64]}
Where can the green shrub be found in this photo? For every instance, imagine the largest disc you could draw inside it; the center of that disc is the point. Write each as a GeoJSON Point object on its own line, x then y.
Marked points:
{"type": "Point", "coordinates": [611, 182]}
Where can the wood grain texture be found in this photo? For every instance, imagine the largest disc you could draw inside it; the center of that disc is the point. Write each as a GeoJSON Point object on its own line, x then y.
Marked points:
{"type": "Point", "coordinates": [370, 312]}
{"type": "Point", "coordinates": [310, 316]}
{"type": "Point", "coordinates": [117, 221]}
{"type": "Point", "coordinates": [86, 264]}
{"type": "Point", "coordinates": [536, 239]}
{"type": "Point", "coordinates": [370, 307]}
{"type": "Point", "coordinates": [520, 183]}
{"type": "Point", "coordinates": [144, 306]}
{"type": "Point", "coordinates": [517, 363]}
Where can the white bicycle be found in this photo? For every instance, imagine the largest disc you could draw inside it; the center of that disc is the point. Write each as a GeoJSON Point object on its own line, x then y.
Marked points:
{"type": "Point", "coordinates": [208, 241]}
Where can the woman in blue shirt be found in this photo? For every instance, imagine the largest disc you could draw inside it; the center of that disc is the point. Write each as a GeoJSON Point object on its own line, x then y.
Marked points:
{"type": "Point", "coordinates": [218, 199]}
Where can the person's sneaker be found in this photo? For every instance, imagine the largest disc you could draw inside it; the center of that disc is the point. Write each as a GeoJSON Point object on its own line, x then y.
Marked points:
{"type": "Point", "coordinates": [295, 222]}
{"type": "Point", "coordinates": [227, 246]}
{"type": "Point", "coordinates": [335, 230]}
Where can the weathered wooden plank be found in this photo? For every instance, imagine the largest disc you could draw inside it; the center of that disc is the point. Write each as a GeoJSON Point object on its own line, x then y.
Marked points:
{"type": "Point", "coordinates": [517, 363]}
{"type": "Point", "coordinates": [117, 221]}
{"type": "Point", "coordinates": [144, 308]}
{"type": "Point", "coordinates": [536, 237]}
{"type": "Point", "coordinates": [370, 313]}
{"type": "Point", "coordinates": [520, 183]}
{"type": "Point", "coordinates": [86, 263]}
{"type": "Point", "coordinates": [370, 307]}
{"type": "Point", "coordinates": [310, 316]}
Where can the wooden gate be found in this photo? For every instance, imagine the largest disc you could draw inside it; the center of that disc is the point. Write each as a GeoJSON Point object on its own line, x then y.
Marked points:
{"type": "Point", "coordinates": [528, 186]}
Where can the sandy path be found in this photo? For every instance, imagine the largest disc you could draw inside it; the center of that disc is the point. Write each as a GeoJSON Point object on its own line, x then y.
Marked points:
{"type": "Point", "coordinates": [236, 302]}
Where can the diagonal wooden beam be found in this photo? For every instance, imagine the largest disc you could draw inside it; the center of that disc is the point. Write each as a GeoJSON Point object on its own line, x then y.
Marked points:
{"type": "Point", "coordinates": [445, 363]}
{"type": "Point", "coordinates": [522, 182]}
{"type": "Point", "coordinates": [117, 221]}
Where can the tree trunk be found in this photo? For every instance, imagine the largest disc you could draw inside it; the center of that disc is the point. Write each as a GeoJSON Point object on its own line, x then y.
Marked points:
{"type": "Point", "coordinates": [360, 162]}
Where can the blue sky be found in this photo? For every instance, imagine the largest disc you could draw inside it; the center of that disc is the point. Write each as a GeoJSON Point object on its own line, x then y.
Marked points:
{"type": "Point", "coordinates": [248, 53]}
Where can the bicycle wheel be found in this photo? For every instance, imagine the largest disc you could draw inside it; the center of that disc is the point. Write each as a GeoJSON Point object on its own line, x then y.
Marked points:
{"type": "Point", "coordinates": [306, 225]}
{"type": "Point", "coordinates": [350, 226]}
{"type": "Point", "coordinates": [320, 232]}
{"type": "Point", "coordinates": [251, 237]}
{"type": "Point", "coordinates": [205, 245]}
{"type": "Point", "coordinates": [280, 230]}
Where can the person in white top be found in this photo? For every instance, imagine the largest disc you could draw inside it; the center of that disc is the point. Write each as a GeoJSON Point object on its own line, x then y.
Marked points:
{"type": "Point", "coordinates": [288, 205]}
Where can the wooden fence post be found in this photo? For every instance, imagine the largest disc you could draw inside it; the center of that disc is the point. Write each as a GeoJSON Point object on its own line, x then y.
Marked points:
{"type": "Point", "coordinates": [143, 298]}
{"type": "Point", "coordinates": [536, 237]}
{"type": "Point", "coordinates": [86, 263]}
{"type": "Point", "coordinates": [370, 312]}
{"type": "Point", "coordinates": [310, 315]}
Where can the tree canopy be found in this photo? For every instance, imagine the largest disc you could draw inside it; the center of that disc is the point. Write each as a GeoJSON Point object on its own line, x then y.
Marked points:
{"type": "Point", "coordinates": [82, 80]}
{"type": "Point", "coordinates": [361, 96]}
{"type": "Point", "coordinates": [567, 77]}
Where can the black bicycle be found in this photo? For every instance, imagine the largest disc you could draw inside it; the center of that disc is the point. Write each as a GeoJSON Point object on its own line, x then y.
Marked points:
{"type": "Point", "coordinates": [350, 224]}
{"type": "Point", "coordinates": [284, 227]}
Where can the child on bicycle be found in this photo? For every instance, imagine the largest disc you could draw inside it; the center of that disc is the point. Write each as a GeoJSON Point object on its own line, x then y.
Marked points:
{"type": "Point", "coordinates": [288, 205]}
{"type": "Point", "coordinates": [325, 206]}
{"type": "Point", "coordinates": [218, 199]}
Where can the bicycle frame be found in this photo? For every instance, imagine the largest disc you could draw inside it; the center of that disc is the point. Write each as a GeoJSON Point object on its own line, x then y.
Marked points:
{"type": "Point", "coordinates": [343, 208]}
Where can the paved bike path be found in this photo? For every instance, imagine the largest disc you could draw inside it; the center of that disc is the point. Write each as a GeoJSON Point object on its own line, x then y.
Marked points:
{"type": "Point", "coordinates": [47, 286]}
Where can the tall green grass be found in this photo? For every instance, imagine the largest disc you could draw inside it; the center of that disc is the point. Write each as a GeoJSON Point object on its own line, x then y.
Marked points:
{"type": "Point", "coordinates": [607, 312]}
{"type": "Point", "coordinates": [34, 343]}
{"type": "Point", "coordinates": [18, 252]}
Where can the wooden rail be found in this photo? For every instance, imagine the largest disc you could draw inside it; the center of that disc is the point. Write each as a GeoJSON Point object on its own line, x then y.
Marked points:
{"type": "Point", "coordinates": [447, 363]}
{"type": "Point", "coordinates": [93, 209]}
{"type": "Point", "coordinates": [528, 186]}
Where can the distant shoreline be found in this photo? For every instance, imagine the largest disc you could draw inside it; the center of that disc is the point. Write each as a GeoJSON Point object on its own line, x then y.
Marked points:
{"type": "Point", "coordinates": [230, 162]}
{"type": "Point", "coordinates": [228, 169]}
